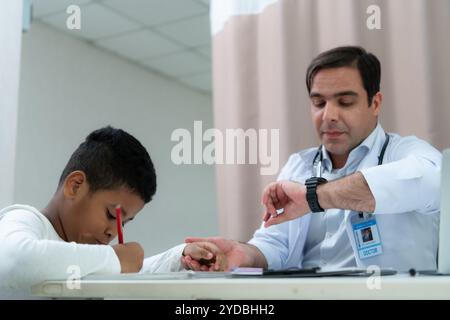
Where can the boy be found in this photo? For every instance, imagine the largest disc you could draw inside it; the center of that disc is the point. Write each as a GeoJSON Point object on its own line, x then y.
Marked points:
{"type": "Point", "coordinates": [109, 168]}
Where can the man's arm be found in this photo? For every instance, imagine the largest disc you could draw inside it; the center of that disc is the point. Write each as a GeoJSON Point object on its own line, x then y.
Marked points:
{"type": "Point", "coordinates": [411, 183]}
{"type": "Point", "coordinates": [258, 260]}
{"type": "Point", "coordinates": [349, 193]}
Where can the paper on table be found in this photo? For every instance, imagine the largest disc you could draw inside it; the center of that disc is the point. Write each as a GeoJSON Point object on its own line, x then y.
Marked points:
{"type": "Point", "coordinates": [247, 271]}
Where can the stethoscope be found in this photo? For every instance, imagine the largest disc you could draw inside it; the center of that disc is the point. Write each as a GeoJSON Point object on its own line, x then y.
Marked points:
{"type": "Point", "coordinates": [318, 158]}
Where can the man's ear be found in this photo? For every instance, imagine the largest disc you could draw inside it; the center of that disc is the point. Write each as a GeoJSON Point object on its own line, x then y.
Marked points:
{"type": "Point", "coordinates": [75, 185]}
{"type": "Point", "coordinates": [377, 101]}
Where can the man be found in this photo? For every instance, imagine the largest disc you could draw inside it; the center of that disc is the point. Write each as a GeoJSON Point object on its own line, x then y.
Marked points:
{"type": "Point", "coordinates": [361, 180]}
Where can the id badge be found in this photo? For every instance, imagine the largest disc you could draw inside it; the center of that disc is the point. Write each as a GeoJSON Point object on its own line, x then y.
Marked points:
{"type": "Point", "coordinates": [367, 237]}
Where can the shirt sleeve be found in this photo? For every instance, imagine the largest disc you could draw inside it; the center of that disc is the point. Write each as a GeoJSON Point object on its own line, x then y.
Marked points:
{"type": "Point", "coordinates": [168, 261]}
{"type": "Point", "coordinates": [27, 259]}
{"type": "Point", "coordinates": [273, 244]}
{"type": "Point", "coordinates": [273, 241]}
{"type": "Point", "coordinates": [410, 181]}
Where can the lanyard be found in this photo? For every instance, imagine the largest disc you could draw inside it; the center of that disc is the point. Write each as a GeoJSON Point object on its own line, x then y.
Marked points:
{"type": "Point", "coordinates": [318, 158]}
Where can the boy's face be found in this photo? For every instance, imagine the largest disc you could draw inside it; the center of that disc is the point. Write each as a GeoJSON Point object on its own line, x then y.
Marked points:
{"type": "Point", "coordinates": [91, 217]}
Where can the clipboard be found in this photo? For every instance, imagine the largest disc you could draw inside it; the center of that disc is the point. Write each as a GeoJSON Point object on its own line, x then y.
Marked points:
{"type": "Point", "coordinates": [315, 272]}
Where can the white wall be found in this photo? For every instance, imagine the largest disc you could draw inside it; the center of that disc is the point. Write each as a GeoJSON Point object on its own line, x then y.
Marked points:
{"type": "Point", "coordinates": [69, 88]}
{"type": "Point", "coordinates": [10, 36]}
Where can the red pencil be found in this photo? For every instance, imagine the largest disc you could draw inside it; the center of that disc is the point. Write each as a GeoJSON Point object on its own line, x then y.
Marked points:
{"type": "Point", "coordinates": [119, 223]}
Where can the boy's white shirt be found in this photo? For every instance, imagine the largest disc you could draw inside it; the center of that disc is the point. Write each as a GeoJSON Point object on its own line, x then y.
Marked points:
{"type": "Point", "coordinates": [31, 251]}
{"type": "Point", "coordinates": [167, 261]}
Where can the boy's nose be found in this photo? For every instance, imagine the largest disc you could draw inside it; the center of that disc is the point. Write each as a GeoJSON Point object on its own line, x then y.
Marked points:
{"type": "Point", "coordinates": [110, 233]}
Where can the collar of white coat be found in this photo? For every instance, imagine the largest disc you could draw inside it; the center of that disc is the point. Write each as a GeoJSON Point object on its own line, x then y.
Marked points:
{"type": "Point", "coordinates": [372, 143]}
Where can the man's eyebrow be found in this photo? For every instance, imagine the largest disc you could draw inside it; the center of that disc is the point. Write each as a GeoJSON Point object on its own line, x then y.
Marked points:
{"type": "Point", "coordinates": [338, 94]}
{"type": "Point", "coordinates": [345, 93]}
{"type": "Point", "coordinates": [315, 95]}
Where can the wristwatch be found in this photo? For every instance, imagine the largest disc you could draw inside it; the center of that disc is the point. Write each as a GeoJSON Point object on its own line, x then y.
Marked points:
{"type": "Point", "coordinates": [311, 193]}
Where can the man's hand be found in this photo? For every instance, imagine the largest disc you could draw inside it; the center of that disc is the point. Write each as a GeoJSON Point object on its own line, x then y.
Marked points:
{"type": "Point", "coordinates": [131, 256]}
{"type": "Point", "coordinates": [349, 193]}
{"type": "Point", "coordinates": [236, 254]}
{"type": "Point", "coordinates": [207, 254]}
{"type": "Point", "coordinates": [286, 195]}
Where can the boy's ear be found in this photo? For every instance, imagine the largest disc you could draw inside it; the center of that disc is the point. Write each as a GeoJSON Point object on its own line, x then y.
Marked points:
{"type": "Point", "coordinates": [75, 184]}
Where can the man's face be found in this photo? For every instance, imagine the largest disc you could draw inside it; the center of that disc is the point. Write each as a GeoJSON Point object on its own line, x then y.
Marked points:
{"type": "Point", "coordinates": [340, 109]}
{"type": "Point", "coordinates": [91, 217]}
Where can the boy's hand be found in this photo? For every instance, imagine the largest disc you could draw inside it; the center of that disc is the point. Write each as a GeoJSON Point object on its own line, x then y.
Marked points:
{"type": "Point", "coordinates": [206, 254]}
{"type": "Point", "coordinates": [131, 256]}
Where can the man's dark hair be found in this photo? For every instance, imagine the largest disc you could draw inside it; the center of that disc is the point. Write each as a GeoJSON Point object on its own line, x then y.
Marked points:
{"type": "Point", "coordinates": [367, 64]}
{"type": "Point", "coordinates": [112, 158]}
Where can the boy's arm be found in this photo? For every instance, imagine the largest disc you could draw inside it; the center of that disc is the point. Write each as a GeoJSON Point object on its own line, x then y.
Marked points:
{"type": "Point", "coordinates": [167, 261]}
{"type": "Point", "coordinates": [26, 259]}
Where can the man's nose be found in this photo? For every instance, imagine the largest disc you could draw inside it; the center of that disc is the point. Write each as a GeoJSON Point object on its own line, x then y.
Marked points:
{"type": "Point", "coordinates": [331, 112]}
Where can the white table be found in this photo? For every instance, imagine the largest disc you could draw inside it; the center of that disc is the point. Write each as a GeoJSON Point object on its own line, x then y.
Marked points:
{"type": "Point", "coordinates": [154, 287]}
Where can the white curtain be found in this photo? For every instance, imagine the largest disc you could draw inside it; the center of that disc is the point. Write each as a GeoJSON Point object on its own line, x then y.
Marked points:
{"type": "Point", "coordinates": [10, 43]}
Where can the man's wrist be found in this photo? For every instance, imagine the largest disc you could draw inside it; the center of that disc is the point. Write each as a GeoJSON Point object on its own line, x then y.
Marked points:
{"type": "Point", "coordinates": [312, 198]}
{"type": "Point", "coordinates": [255, 258]}
{"type": "Point", "coordinates": [323, 196]}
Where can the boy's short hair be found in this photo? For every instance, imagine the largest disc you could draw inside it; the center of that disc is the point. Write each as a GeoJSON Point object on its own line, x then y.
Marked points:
{"type": "Point", "coordinates": [112, 158]}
